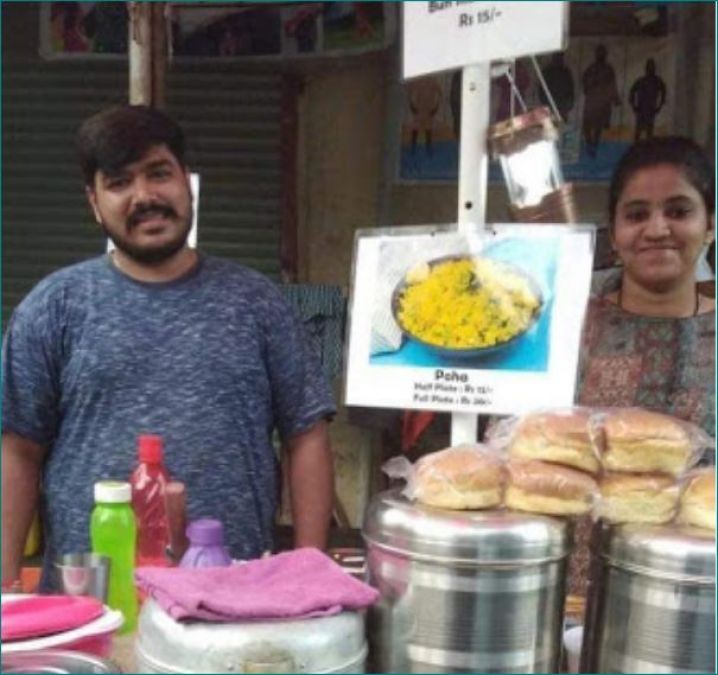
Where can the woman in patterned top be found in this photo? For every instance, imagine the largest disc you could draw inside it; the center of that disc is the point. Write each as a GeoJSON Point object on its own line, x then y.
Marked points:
{"type": "Point", "coordinates": [649, 336]}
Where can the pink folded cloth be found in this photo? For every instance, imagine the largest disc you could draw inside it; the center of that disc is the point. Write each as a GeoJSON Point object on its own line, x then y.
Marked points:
{"type": "Point", "coordinates": [296, 584]}
{"type": "Point", "coordinates": [47, 614]}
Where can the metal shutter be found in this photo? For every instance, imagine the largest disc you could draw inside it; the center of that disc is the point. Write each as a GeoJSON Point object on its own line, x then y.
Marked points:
{"type": "Point", "coordinates": [46, 221]}
{"type": "Point", "coordinates": [232, 118]}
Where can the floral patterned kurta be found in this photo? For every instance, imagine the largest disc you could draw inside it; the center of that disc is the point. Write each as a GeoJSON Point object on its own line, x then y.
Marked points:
{"type": "Point", "coordinates": [667, 365]}
{"type": "Point", "coordinates": [662, 364]}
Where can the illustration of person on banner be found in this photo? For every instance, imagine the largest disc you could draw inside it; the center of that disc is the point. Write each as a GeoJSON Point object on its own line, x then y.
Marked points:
{"type": "Point", "coordinates": [559, 81]}
{"type": "Point", "coordinates": [68, 31]}
{"type": "Point", "coordinates": [601, 93]}
{"type": "Point", "coordinates": [647, 97]}
{"type": "Point", "coordinates": [302, 27]}
{"type": "Point", "coordinates": [425, 97]}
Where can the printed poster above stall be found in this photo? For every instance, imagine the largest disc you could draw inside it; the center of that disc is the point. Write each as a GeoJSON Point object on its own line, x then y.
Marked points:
{"type": "Point", "coordinates": [274, 30]}
{"type": "Point", "coordinates": [83, 29]}
{"type": "Point", "coordinates": [609, 90]}
{"type": "Point", "coordinates": [486, 322]}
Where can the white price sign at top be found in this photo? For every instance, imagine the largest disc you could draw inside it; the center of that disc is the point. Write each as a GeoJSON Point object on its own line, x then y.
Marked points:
{"type": "Point", "coordinates": [446, 35]}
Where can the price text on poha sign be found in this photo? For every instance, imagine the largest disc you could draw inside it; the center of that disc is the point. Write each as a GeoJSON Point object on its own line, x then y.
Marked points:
{"type": "Point", "coordinates": [450, 387]}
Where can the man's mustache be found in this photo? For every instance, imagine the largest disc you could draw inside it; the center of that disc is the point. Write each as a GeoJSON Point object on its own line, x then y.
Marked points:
{"type": "Point", "coordinates": [143, 211]}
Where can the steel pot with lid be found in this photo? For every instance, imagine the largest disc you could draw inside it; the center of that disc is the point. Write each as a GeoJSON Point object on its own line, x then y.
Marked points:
{"type": "Point", "coordinates": [329, 644]}
{"type": "Point", "coordinates": [464, 591]}
{"type": "Point", "coordinates": [651, 600]}
{"type": "Point", "coordinates": [55, 661]}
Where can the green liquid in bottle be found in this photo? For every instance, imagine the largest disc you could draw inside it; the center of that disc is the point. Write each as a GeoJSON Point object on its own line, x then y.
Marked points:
{"type": "Point", "coordinates": [113, 533]}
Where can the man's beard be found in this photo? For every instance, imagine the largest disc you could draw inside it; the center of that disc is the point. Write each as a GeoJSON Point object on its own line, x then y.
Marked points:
{"type": "Point", "coordinates": [153, 255]}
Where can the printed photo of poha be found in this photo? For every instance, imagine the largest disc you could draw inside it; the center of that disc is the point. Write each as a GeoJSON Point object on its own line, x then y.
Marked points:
{"type": "Point", "coordinates": [465, 303]}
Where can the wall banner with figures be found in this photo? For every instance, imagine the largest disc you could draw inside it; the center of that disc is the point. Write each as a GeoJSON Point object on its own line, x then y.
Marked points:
{"type": "Point", "coordinates": [480, 322]}
{"type": "Point", "coordinates": [609, 90]}
{"type": "Point", "coordinates": [217, 30]}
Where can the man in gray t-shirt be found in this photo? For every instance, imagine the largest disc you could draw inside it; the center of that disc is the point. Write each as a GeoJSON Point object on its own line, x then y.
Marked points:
{"type": "Point", "coordinates": [157, 338]}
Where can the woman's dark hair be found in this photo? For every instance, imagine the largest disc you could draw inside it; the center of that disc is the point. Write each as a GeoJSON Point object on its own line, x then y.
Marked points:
{"type": "Point", "coordinates": [113, 138]}
{"type": "Point", "coordinates": [679, 151]}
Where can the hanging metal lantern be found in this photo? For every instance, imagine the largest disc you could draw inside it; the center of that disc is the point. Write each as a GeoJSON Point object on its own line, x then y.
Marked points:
{"type": "Point", "coordinates": [526, 148]}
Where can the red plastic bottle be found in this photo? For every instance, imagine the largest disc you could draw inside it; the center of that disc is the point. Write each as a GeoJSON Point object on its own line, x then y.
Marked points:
{"type": "Point", "coordinates": [149, 481]}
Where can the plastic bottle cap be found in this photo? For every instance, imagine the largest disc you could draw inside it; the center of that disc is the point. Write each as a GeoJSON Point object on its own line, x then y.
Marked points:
{"type": "Point", "coordinates": [149, 448]}
{"type": "Point", "coordinates": [175, 487]}
{"type": "Point", "coordinates": [206, 532]}
{"type": "Point", "coordinates": [113, 492]}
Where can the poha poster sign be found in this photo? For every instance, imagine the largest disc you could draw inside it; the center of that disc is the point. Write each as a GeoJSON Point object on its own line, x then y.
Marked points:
{"type": "Point", "coordinates": [481, 322]}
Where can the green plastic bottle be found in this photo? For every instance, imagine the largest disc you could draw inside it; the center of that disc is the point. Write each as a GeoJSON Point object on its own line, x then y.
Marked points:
{"type": "Point", "coordinates": [113, 532]}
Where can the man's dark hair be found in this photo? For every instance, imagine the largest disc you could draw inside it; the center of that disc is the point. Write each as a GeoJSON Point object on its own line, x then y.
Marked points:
{"type": "Point", "coordinates": [115, 137]}
{"type": "Point", "coordinates": [683, 153]}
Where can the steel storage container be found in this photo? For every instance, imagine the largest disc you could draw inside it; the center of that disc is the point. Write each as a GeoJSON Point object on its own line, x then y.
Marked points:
{"type": "Point", "coordinates": [330, 644]}
{"type": "Point", "coordinates": [55, 661]}
{"type": "Point", "coordinates": [651, 600]}
{"type": "Point", "coordinates": [464, 591]}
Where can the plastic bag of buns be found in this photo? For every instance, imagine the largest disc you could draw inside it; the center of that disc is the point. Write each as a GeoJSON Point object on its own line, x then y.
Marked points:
{"type": "Point", "coordinates": [553, 489]}
{"type": "Point", "coordinates": [698, 499]}
{"type": "Point", "coordinates": [562, 436]}
{"type": "Point", "coordinates": [461, 477]}
{"type": "Point", "coordinates": [637, 498]}
{"type": "Point", "coordinates": [634, 440]}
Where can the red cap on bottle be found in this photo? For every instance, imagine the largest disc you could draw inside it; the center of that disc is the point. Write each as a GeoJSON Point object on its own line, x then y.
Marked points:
{"type": "Point", "coordinates": [149, 448]}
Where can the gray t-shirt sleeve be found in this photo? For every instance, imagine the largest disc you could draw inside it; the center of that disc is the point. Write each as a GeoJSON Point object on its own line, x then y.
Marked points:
{"type": "Point", "coordinates": [30, 372]}
{"type": "Point", "coordinates": [300, 391]}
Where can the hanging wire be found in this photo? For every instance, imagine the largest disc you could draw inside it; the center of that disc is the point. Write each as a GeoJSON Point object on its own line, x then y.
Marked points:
{"type": "Point", "coordinates": [512, 96]}
{"type": "Point", "coordinates": [515, 93]}
{"type": "Point", "coordinates": [546, 90]}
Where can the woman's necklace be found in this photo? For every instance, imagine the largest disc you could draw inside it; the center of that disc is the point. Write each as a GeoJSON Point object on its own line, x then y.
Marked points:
{"type": "Point", "coordinates": [619, 299]}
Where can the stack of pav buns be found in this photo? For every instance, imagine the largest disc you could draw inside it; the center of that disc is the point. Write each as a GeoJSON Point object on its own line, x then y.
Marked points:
{"type": "Point", "coordinates": [698, 501]}
{"type": "Point", "coordinates": [644, 455]}
{"type": "Point", "coordinates": [551, 464]}
{"type": "Point", "coordinates": [624, 465]}
{"type": "Point", "coordinates": [462, 477]}
{"type": "Point", "coordinates": [542, 487]}
{"type": "Point", "coordinates": [561, 437]}
{"type": "Point", "coordinates": [637, 497]}
{"type": "Point", "coordinates": [642, 441]}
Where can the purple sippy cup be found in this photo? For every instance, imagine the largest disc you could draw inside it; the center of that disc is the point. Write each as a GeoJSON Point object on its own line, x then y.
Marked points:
{"type": "Point", "coordinates": [206, 545]}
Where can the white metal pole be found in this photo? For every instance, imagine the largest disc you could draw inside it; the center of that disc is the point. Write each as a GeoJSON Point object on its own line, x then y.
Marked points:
{"type": "Point", "coordinates": [139, 51]}
{"type": "Point", "coordinates": [473, 176]}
